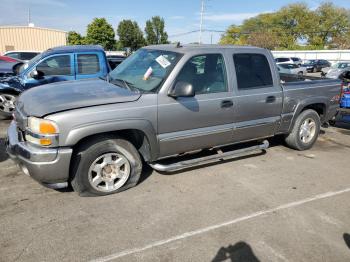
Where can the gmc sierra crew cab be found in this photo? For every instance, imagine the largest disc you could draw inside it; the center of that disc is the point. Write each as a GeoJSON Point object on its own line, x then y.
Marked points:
{"type": "Point", "coordinates": [162, 102]}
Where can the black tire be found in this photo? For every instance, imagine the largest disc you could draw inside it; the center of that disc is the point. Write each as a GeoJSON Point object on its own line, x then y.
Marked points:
{"type": "Point", "coordinates": [4, 114]}
{"type": "Point", "coordinates": [293, 140]}
{"type": "Point", "coordinates": [314, 70]}
{"type": "Point", "coordinates": [92, 150]}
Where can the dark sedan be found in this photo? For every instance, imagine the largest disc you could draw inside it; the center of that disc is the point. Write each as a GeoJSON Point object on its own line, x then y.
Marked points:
{"type": "Point", "coordinates": [8, 66]}
{"type": "Point", "coordinates": [316, 65]}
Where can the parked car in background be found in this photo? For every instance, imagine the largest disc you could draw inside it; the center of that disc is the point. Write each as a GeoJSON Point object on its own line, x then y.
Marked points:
{"type": "Point", "coordinates": [8, 66]}
{"type": "Point", "coordinates": [8, 59]}
{"type": "Point", "coordinates": [291, 69]}
{"type": "Point", "coordinates": [316, 65]}
{"type": "Point", "coordinates": [115, 60]}
{"type": "Point", "coordinates": [335, 70]}
{"type": "Point", "coordinates": [163, 101]}
{"type": "Point", "coordinates": [288, 60]}
{"type": "Point", "coordinates": [24, 56]}
{"type": "Point", "coordinates": [54, 65]}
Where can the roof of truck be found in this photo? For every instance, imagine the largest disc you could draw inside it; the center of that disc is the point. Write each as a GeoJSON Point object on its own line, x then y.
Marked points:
{"type": "Point", "coordinates": [197, 47]}
{"type": "Point", "coordinates": [74, 48]}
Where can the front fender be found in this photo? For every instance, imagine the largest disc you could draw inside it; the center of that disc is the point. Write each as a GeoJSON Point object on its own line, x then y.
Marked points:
{"type": "Point", "coordinates": [10, 86]}
{"type": "Point", "coordinates": [83, 131]}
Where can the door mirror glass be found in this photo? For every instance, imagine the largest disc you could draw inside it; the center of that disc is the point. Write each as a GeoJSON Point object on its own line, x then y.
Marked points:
{"type": "Point", "coordinates": [182, 89]}
{"type": "Point", "coordinates": [37, 74]}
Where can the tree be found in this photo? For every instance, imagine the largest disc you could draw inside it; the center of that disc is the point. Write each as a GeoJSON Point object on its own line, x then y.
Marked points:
{"type": "Point", "coordinates": [232, 36]}
{"type": "Point", "coordinates": [293, 25]}
{"type": "Point", "coordinates": [266, 40]}
{"type": "Point", "coordinates": [155, 33]}
{"type": "Point", "coordinates": [331, 22]}
{"type": "Point", "coordinates": [130, 35]}
{"type": "Point", "coordinates": [75, 38]}
{"type": "Point", "coordinates": [100, 32]}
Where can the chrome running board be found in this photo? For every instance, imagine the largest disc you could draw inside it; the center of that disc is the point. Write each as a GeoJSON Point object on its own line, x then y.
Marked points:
{"type": "Point", "coordinates": [207, 159]}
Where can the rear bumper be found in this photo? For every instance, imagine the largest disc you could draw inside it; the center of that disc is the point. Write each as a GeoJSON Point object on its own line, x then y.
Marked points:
{"type": "Point", "coordinates": [48, 166]}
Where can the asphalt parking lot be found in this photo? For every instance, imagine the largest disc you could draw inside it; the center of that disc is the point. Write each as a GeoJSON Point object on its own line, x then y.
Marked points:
{"type": "Point", "coordinates": [283, 205]}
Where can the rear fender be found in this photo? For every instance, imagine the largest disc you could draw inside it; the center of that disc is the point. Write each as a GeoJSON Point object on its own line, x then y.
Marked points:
{"type": "Point", "coordinates": [304, 104]}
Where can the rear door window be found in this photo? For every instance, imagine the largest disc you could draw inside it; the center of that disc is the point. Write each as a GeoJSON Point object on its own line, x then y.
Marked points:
{"type": "Point", "coordinates": [88, 64]}
{"type": "Point", "coordinates": [252, 71]}
{"type": "Point", "coordinates": [27, 55]}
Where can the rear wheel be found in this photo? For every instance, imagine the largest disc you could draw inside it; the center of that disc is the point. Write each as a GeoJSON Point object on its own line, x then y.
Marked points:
{"type": "Point", "coordinates": [7, 105]}
{"type": "Point", "coordinates": [105, 166]}
{"type": "Point", "coordinates": [305, 131]}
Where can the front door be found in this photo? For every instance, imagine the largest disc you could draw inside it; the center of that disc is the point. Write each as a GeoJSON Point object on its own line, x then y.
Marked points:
{"type": "Point", "coordinates": [258, 98]}
{"type": "Point", "coordinates": [54, 68]}
{"type": "Point", "coordinates": [202, 121]}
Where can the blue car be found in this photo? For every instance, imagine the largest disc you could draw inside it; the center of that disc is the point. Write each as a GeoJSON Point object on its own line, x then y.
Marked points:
{"type": "Point", "coordinates": [64, 63]}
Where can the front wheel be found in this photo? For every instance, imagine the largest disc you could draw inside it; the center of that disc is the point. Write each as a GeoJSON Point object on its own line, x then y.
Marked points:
{"type": "Point", "coordinates": [7, 105]}
{"type": "Point", "coordinates": [105, 166]}
{"type": "Point", "coordinates": [305, 131]}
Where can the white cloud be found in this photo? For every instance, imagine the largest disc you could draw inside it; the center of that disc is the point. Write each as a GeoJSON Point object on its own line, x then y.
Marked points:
{"type": "Point", "coordinates": [229, 17]}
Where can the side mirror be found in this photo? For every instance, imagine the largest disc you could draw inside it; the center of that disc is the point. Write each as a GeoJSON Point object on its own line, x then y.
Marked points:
{"type": "Point", "coordinates": [37, 74]}
{"type": "Point", "coordinates": [182, 89]}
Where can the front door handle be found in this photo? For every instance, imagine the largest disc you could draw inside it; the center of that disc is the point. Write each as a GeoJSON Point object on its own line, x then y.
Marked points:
{"type": "Point", "coordinates": [270, 99]}
{"type": "Point", "coordinates": [226, 103]}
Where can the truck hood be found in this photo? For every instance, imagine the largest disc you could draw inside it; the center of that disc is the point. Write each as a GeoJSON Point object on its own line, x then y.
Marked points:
{"type": "Point", "coordinates": [62, 96]}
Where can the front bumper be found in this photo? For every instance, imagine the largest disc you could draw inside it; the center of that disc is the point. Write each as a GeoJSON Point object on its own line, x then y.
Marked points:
{"type": "Point", "coordinates": [48, 166]}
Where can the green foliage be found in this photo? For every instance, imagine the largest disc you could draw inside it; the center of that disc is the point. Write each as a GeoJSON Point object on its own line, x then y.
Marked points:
{"type": "Point", "coordinates": [100, 32]}
{"type": "Point", "coordinates": [155, 33]}
{"type": "Point", "coordinates": [75, 38]}
{"type": "Point", "coordinates": [327, 26]}
{"type": "Point", "coordinates": [130, 35]}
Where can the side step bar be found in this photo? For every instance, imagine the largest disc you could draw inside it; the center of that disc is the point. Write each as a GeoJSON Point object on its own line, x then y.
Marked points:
{"type": "Point", "coordinates": [207, 159]}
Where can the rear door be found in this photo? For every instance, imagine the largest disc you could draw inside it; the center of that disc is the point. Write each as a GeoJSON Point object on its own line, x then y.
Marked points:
{"type": "Point", "coordinates": [90, 65]}
{"type": "Point", "coordinates": [258, 96]}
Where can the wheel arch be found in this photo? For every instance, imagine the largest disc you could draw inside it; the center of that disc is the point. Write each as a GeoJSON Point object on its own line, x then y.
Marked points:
{"type": "Point", "coordinates": [317, 104]}
{"type": "Point", "coordinates": [138, 132]}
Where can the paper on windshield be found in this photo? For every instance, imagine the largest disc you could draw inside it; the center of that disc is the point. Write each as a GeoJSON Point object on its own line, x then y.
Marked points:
{"type": "Point", "coordinates": [148, 73]}
{"type": "Point", "coordinates": [163, 61]}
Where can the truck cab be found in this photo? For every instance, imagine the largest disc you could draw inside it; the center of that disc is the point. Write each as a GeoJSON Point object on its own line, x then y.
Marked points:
{"type": "Point", "coordinates": [64, 63]}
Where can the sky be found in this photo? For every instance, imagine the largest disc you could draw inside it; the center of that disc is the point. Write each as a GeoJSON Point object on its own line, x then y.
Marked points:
{"type": "Point", "coordinates": [180, 16]}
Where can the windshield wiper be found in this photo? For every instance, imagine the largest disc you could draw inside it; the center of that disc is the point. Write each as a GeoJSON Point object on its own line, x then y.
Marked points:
{"type": "Point", "coordinates": [126, 84]}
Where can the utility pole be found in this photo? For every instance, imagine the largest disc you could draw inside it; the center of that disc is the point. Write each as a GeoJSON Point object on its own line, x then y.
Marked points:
{"type": "Point", "coordinates": [201, 22]}
{"type": "Point", "coordinates": [29, 18]}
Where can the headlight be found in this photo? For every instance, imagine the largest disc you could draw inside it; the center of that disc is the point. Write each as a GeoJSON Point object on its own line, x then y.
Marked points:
{"type": "Point", "coordinates": [42, 132]}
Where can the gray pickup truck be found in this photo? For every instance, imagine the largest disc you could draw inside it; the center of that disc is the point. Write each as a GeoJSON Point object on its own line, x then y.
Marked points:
{"type": "Point", "coordinates": [162, 102]}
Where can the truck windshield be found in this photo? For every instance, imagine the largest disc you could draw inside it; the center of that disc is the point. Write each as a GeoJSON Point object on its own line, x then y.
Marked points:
{"type": "Point", "coordinates": [146, 69]}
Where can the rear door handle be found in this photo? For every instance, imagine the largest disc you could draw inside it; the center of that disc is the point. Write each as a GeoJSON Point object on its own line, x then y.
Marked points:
{"type": "Point", "coordinates": [226, 103]}
{"type": "Point", "coordinates": [270, 99]}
